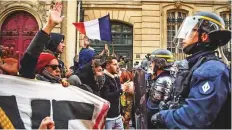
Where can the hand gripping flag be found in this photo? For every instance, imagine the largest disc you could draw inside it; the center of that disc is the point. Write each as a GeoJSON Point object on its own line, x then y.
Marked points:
{"type": "Point", "coordinates": [24, 103]}
{"type": "Point", "coordinates": [99, 29]}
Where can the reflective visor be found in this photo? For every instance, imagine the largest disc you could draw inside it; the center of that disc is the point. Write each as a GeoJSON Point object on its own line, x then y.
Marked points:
{"type": "Point", "coordinates": [187, 29]}
{"type": "Point", "coordinates": [190, 27]}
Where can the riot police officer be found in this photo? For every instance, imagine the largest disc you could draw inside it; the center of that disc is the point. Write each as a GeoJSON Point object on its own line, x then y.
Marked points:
{"type": "Point", "coordinates": [161, 85]}
{"type": "Point", "coordinates": [204, 92]}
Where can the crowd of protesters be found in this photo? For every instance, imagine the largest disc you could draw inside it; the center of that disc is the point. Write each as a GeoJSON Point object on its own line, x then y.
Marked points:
{"type": "Point", "coordinates": [96, 73]}
{"type": "Point", "coordinates": [103, 74]}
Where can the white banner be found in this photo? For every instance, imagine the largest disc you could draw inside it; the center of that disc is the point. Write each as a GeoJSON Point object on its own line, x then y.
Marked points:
{"type": "Point", "coordinates": [27, 101]}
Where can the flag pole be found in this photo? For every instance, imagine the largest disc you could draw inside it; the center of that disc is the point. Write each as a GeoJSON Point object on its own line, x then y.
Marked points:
{"type": "Point", "coordinates": [78, 20]}
{"type": "Point", "coordinates": [112, 45]}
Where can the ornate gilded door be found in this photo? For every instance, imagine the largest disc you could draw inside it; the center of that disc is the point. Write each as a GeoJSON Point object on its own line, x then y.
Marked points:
{"type": "Point", "coordinates": [17, 31]}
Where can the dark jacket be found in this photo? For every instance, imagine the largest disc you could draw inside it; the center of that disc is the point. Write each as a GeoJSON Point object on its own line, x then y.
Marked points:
{"type": "Point", "coordinates": [30, 57]}
{"type": "Point", "coordinates": [209, 90]}
{"type": "Point", "coordinates": [63, 68]}
{"type": "Point", "coordinates": [87, 77]}
{"type": "Point", "coordinates": [111, 91]}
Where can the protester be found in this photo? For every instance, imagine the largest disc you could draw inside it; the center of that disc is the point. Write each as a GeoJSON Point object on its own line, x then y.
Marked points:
{"type": "Point", "coordinates": [74, 68]}
{"type": "Point", "coordinates": [87, 53]}
{"type": "Point", "coordinates": [126, 98]}
{"type": "Point", "coordinates": [56, 47]}
{"type": "Point", "coordinates": [111, 91]}
{"type": "Point", "coordinates": [33, 61]}
{"type": "Point", "coordinates": [203, 95]}
{"type": "Point", "coordinates": [92, 75]}
{"type": "Point", "coordinates": [48, 69]}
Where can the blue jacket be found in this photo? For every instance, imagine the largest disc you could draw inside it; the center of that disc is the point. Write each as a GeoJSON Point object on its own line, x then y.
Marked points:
{"type": "Point", "coordinates": [209, 89]}
{"type": "Point", "coordinates": [85, 56]}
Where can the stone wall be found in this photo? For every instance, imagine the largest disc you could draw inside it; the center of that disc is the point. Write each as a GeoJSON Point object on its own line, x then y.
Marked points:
{"type": "Point", "coordinates": [148, 18]}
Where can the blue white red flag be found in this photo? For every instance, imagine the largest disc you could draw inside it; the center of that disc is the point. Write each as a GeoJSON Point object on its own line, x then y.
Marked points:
{"type": "Point", "coordinates": [99, 29]}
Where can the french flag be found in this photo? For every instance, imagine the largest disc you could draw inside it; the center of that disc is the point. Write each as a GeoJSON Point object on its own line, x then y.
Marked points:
{"type": "Point", "coordinates": [99, 29]}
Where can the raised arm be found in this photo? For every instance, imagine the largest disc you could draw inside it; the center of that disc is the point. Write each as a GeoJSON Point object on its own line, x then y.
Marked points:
{"type": "Point", "coordinates": [30, 57]}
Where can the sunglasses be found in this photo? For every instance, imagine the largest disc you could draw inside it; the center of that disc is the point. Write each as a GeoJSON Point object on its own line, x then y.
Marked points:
{"type": "Point", "coordinates": [54, 67]}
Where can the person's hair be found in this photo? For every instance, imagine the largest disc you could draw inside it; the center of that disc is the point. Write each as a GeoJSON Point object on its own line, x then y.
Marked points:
{"type": "Point", "coordinates": [109, 59]}
{"type": "Point", "coordinates": [97, 63]}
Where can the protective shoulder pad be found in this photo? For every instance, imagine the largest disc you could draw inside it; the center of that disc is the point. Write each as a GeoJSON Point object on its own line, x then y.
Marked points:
{"type": "Point", "coordinates": [210, 69]}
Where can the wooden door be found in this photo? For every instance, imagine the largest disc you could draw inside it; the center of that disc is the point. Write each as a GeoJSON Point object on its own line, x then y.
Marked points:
{"type": "Point", "coordinates": [17, 31]}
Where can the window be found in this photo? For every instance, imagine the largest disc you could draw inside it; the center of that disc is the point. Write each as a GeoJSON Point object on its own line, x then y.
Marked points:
{"type": "Point", "coordinates": [174, 20]}
{"type": "Point", "coordinates": [226, 16]}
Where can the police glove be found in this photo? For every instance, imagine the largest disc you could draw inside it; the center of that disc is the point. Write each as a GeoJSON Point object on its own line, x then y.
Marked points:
{"type": "Point", "coordinates": [156, 120]}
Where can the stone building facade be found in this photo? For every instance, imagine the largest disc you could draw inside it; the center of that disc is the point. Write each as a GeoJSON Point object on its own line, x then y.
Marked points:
{"type": "Point", "coordinates": [138, 26]}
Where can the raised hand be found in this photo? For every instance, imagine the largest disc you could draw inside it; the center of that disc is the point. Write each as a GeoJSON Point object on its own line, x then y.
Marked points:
{"type": "Point", "coordinates": [54, 17]}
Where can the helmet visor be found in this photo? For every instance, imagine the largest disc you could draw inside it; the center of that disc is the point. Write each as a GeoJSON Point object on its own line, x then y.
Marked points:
{"type": "Point", "coordinates": [187, 30]}
{"type": "Point", "coordinates": [190, 27]}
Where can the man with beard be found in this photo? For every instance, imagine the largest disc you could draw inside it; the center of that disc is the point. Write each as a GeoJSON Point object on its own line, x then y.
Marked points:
{"type": "Point", "coordinates": [111, 91]}
{"type": "Point", "coordinates": [56, 46]}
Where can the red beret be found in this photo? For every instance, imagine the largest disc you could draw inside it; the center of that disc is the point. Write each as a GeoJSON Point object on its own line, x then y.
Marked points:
{"type": "Point", "coordinates": [43, 60]}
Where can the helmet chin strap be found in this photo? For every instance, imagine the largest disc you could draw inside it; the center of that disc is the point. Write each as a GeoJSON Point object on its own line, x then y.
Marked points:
{"type": "Point", "coordinates": [197, 46]}
{"type": "Point", "coordinates": [190, 49]}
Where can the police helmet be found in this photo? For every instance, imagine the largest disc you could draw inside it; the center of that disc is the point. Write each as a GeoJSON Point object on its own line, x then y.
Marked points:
{"type": "Point", "coordinates": [206, 22]}
{"type": "Point", "coordinates": [162, 54]}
